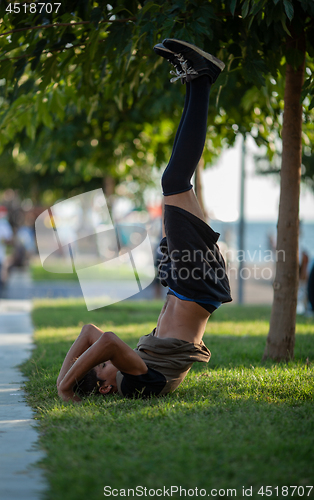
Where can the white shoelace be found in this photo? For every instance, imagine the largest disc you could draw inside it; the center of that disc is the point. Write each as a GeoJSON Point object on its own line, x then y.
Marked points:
{"type": "Point", "coordinates": [186, 70]}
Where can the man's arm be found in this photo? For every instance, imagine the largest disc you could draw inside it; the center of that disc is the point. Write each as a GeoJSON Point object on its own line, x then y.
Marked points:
{"type": "Point", "coordinates": [107, 347]}
{"type": "Point", "coordinates": [88, 336]}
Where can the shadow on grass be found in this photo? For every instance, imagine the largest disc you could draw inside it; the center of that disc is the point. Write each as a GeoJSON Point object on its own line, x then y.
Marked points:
{"type": "Point", "coordinates": [246, 351]}
{"type": "Point", "coordinates": [227, 352]}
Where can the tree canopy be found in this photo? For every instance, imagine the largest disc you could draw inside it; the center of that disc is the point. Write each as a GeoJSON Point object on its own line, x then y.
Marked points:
{"type": "Point", "coordinates": [84, 96]}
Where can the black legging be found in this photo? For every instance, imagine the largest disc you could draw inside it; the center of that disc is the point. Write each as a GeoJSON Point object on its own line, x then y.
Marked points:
{"type": "Point", "coordinates": [190, 138]}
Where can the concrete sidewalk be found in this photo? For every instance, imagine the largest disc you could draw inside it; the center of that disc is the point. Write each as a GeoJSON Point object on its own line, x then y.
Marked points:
{"type": "Point", "coordinates": [18, 435]}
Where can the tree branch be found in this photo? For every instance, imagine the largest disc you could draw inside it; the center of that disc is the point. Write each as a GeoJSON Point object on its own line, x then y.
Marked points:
{"type": "Point", "coordinates": [58, 49]}
{"type": "Point", "coordinates": [56, 25]}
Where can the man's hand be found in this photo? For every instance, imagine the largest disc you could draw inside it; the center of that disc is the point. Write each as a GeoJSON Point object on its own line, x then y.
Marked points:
{"type": "Point", "coordinates": [88, 336]}
{"type": "Point", "coordinates": [68, 395]}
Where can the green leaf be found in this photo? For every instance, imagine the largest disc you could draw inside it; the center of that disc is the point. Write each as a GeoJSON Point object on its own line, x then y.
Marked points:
{"type": "Point", "coordinates": [245, 8]}
{"type": "Point", "coordinates": [96, 15]}
{"type": "Point", "coordinates": [50, 67]}
{"type": "Point", "coordinates": [148, 6]}
{"type": "Point", "coordinates": [66, 61]}
{"type": "Point", "coordinates": [27, 86]}
{"type": "Point", "coordinates": [253, 72]}
{"type": "Point", "coordinates": [256, 7]}
{"type": "Point", "coordinates": [65, 39]}
{"type": "Point", "coordinates": [207, 12]}
{"type": "Point", "coordinates": [31, 129]}
{"type": "Point", "coordinates": [284, 25]}
{"type": "Point", "coordinates": [93, 45]}
{"type": "Point", "coordinates": [47, 118]}
{"type": "Point", "coordinates": [20, 66]}
{"type": "Point", "coordinates": [307, 83]}
{"type": "Point", "coordinates": [289, 9]}
{"type": "Point", "coordinates": [56, 105]}
{"type": "Point", "coordinates": [311, 106]}
{"type": "Point", "coordinates": [41, 44]}
{"type": "Point", "coordinates": [233, 5]}
{"type": "Point", "coordinates": [35, 62]}
{"type": "Point", "coordinates": [6, 69]}
{"type": "Point", "coordinates": [251, 19]}
{"type": "Point", "coordinates": [294, 57]}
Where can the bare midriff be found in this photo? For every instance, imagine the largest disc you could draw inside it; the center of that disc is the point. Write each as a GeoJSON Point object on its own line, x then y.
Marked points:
{"type": "Point", "coordinates": [183, 320]}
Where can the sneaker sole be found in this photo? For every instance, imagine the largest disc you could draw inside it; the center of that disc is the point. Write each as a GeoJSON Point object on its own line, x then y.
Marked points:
{"type": "Point", "coordinates": [162, 49]}
{"type": "Point", "coordinates": [206, 55]}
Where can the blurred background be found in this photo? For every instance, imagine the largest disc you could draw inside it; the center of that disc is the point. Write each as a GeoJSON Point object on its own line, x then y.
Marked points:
{"type": "Point", "coordinates": [240, 202]}
{"type": "Point", "coordinates": [85, 103]}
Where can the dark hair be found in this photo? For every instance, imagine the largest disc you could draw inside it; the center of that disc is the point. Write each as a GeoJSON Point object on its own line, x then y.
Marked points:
{"type": "Point", "coordinates": [89, 384]}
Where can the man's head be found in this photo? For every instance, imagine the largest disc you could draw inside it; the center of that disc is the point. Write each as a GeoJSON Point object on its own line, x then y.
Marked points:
{"type": "Point", "coordinates": [100, 380]}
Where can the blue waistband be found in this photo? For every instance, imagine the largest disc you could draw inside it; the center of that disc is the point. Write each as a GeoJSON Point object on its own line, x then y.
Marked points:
{"type": "Point", "coordinates": [182, 297]}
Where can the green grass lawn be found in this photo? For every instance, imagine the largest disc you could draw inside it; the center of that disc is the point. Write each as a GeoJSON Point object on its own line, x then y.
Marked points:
{"type": "Point", "coordinates": [38, 273]}
{"type": "Point", "coordinates": [234, 423]}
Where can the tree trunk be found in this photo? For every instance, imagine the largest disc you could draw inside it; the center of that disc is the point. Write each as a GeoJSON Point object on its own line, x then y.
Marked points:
{"type": "Point", "coordinates": [281, 336]}
{"type": "Point", "coordinates": [109, 189]}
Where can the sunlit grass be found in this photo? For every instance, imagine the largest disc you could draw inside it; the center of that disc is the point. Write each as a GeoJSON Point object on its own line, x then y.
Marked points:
{"type": "Point", "coordinates": [232, 423]}
{"type": "Point", "coordinates": [59, 272]}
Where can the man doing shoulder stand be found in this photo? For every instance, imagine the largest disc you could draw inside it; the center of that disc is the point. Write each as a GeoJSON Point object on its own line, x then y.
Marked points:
{"type": "Point", "coordinates": [100, 361]}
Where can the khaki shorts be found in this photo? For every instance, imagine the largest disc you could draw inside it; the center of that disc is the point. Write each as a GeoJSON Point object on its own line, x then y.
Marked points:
{"type": "Point", "coordinates": [171, 357]}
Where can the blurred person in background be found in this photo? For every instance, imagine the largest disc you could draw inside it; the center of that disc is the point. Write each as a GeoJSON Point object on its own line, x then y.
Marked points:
{"type": "Point", "coordinates": [303, 278]}
{"type": "Point", "coordinates": [310, 287]}
{"type": "Point", "coordinates": [6, 237]}
{"type": "Point", "coordinates": [304, 272]}
{"type": "Point", "coordinates": [24, 246]}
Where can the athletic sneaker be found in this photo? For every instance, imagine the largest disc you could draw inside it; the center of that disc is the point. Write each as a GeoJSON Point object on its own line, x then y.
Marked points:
{"type": "Point", "coordinates": [174, 59]}
{"type": "Point", "coordinates": [195, 62]}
